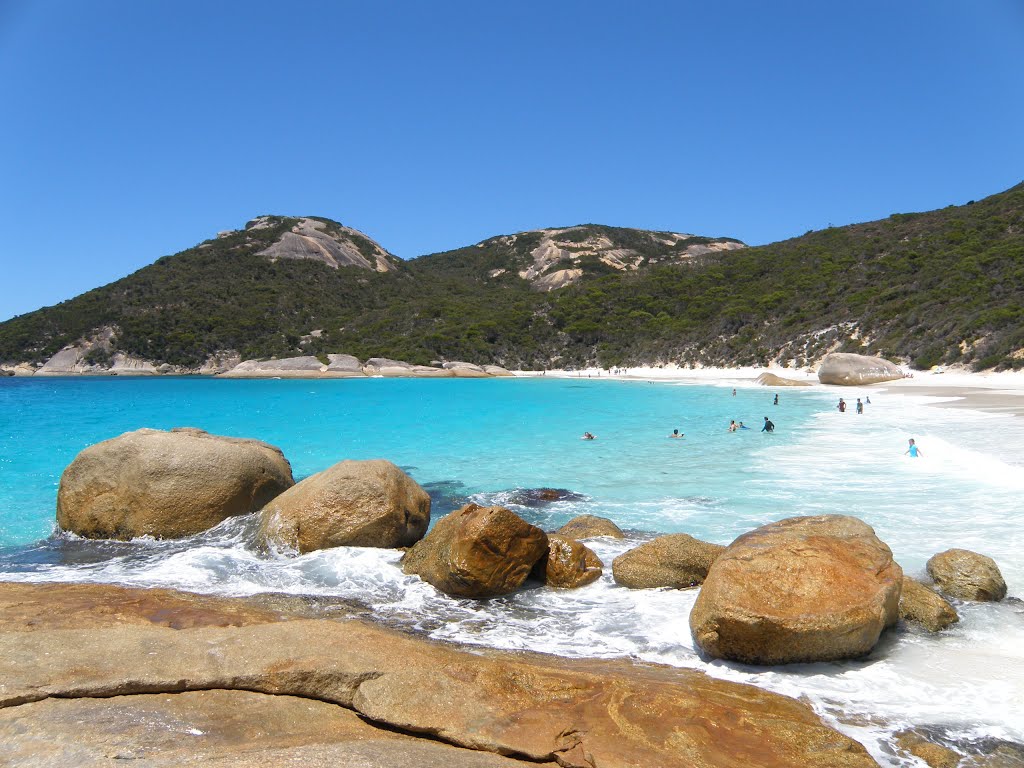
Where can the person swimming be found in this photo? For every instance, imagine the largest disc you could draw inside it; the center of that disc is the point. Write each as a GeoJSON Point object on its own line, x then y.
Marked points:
{"type": "Point", "coordinates": [676, 433]}
{"type": "Point", "coordinates": [588, 436]}
{"type": "Point", "coordinates": [741, 425]}
{"type": "Point", "coordinates": [913, 450]}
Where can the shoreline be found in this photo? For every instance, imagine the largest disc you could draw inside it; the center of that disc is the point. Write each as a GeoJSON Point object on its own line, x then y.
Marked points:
{"type": "Point", "coordinates": [999, 392]}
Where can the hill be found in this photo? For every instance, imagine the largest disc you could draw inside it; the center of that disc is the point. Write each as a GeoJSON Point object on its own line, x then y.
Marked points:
{"type": "Point", "coordinates": [924, 288]}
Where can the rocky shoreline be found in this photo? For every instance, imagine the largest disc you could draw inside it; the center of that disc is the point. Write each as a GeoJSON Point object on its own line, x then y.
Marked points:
{"type": "Point", "coordinates": [166, 678]}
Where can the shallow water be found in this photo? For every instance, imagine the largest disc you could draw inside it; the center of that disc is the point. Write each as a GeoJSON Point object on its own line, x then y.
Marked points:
{"type": "Point", "coordinates": [486, 440]}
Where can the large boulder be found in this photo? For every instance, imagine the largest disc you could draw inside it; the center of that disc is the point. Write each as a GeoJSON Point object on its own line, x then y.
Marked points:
{"type": "Point", "coordinates": [466, 370]}
{"type": "Point", "coordinates": [568, 564]}
{"type": "Point", "coordinates": [856, 370]}
{"type": "Point", "coordinates": [799, 590]}
{"type": "Point", "coordinates": [589, 526]}
{"type": "Point", "coordinates": [167, 484]}
{"type": "Point", "coordinates": [285, 368]}
{"type": "Point", "coordinates": [351, 504]}
{"type": "Point", "coordinates": [967, 575]}
{"type": "Point", "coordinates": [344, 366]}
{"type": "Point", "coordinates": [676, 560]}
{"type": "Point", "coordinates": [477, 552]}
{"type": "Point", "coordinates": [921, 605]}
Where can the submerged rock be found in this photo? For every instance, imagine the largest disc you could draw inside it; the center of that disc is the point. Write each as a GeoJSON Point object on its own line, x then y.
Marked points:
{"type": "Point", "coordinates": [353, 503]}
{"type": "Point", "coordinates": [167, 484]}
{"type": "Point", "coordinates": [676, 560]}
{"type": "Point", "coordinates": [967, 575]}
{"type": "Point", "coordinates": [803, 589]}
{"type": "Point", "coordinates": [538, 497]}
{"type": "Point", "coordinates": [589, 526]}
{"type": "Point", "coordinates": [568, 564]}
{"type": "Point", "coordinates": [935, 755]}
{"type": "Point", "coordinates": [477, 552]}
{"type": "Point", "coordinates": [920, 604]}
{"type": "Point", "coordinates": [855, 370]}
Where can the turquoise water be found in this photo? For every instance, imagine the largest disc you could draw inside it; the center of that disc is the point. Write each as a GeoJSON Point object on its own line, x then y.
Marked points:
{"type": "Point", "coordinates": [484, 440]}
{"type": "Point", "coordinates": [480, 436]}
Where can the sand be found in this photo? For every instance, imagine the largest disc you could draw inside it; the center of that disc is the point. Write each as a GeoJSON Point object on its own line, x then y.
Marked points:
{"type": "Point", "coordinates": [951, 388]}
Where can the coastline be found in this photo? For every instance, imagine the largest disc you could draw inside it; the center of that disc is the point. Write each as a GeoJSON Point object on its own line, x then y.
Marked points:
{"type": "Point", "coordinates": [990, 392]}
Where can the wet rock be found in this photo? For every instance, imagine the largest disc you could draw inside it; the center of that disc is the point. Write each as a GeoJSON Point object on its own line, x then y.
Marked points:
{"type": "Point", "coordinates": [935, 755]}
{"type": "Point", "coordinates": [568, 564]}
{"type": "Point", "coordinates": [676, 560]}
{"type": "Point", "coordinates": [920, 604]}
{"type": "Point", "coordinates": [167, 484]}
{"type": "Point", "coordinates": [856, 370]}
{"type": "Point", "coordinates": [967, 575]}
{"type": "Point", "coordinates": [589, 526]}
{"type": "Point", "coordinates": [354, 504]}
{"type": "Point", "coordinates": [477, 552]}
{"type": "Point", "coordinates": [539, 497]}
{"type": "Point", "coordinates": [799, 590]}
{"type": "Point", "coordinates": [208, 692]}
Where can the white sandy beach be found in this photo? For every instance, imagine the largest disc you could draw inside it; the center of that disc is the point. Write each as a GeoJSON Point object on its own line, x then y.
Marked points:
{"type": "Point", "coordinates": [993, 392]}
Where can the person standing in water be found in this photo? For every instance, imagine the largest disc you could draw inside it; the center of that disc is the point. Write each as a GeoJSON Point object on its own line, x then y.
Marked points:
{"type": "Point", "coordinates": [842, 405]}
{"type": "Point", "coordinates": [776, 400]}
{"type": "Point", "coordinates": [913, 450]}
{"type": "Point", "coordinates": [676, 433]}
{"type": "Point", "coordinates": [768, 426]}
{"type": "Point", "coordinates": [860, 406]}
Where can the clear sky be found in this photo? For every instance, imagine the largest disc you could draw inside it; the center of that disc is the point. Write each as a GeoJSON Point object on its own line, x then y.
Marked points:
{"type": "Point", "coordinates": [130, 129]}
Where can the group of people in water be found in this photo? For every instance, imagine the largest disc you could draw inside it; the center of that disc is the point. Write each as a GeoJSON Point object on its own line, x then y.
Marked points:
{"type": "Point", "coordinates": [735, 426]}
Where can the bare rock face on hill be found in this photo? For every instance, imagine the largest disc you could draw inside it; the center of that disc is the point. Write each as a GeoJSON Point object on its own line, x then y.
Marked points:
{"type": "Point", "coordinates": [167, 484]}
{"type": "Point", "coordinates": [354, 503]}
{"type": "Point", "coordinates": [967, 575]}
{"type": "Point", "coordinates": [331, 243]}
{"type": "Point", "coordinates": [675, 560]}
{"type": "Point", "coordinates": [856, 370]}
{"type": "Point", "coordinates": [349, 694]}
{"type": "Point", "coordinates": [556, 260]}
{"type": "Point", "coordinates": [477, 552]}
{"type": "Point", "coordinates": [800, 590]}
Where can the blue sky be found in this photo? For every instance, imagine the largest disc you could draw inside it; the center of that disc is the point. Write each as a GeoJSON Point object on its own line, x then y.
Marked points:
{"type": "Point", "coordinates": [131, 129]}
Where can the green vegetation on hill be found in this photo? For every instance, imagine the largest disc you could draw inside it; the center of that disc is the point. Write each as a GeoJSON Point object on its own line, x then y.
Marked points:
{"type": "Point", "coordinates": [938, 287]}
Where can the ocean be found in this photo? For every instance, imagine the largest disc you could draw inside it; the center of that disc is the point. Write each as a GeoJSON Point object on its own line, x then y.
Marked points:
{"type": "Point", "coordinates": [489, 440]}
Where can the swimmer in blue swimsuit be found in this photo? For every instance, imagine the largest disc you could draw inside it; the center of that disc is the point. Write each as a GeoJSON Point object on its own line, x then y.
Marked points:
{"type": "Point", "coordinates": [913, 450]}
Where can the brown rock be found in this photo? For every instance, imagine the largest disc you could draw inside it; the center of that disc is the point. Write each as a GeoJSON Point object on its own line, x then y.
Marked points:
{"type": "Point", "coordinates": [589, 526]}
{"type": "Point", "coordinates": [967, 575]}
{"type": "Point", "coordinates": [855, 370]}
{"type": "Point", "coordinates": [676, 560]}
{"type": "Point", "coordinates": [533, 707]}
{"type": "Point", "coordinates": [772, 380]}
{"type": "Point", "coordinates": [167, 484]}
{"type": "Point", "coordinates": [354, 504]}
{"type": "Point", "coordinates": [568, 564]}
{"type": "Point", "coordinates": [920, 604]}
{"type": "Point", "coordinates": [799, 590]}
{"type": "Point", "coordinates": [216, 728]}
{"type": "Point", "coordinates": [477, 552]}
{"type": "Point", "coordinates": [935, 755]}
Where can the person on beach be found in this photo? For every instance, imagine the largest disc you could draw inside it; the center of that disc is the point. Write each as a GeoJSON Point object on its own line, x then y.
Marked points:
{"type": "Point", "coordinates": [860, 406]}
{"type": "Point", "coordinates": [588, 436]}
{"type": "Point", "coordinates": [676, 433]}
{"type": "Point", "coordinates": [732, 426]}
{"type": "Point", "coordinates": [842, 405]}
{"type": "Point", "coordinates": [776, 400]}
{"type": "Point", "coordinates": [768, 426]}
{"type": "Point", "coordinates": [913, 451]}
